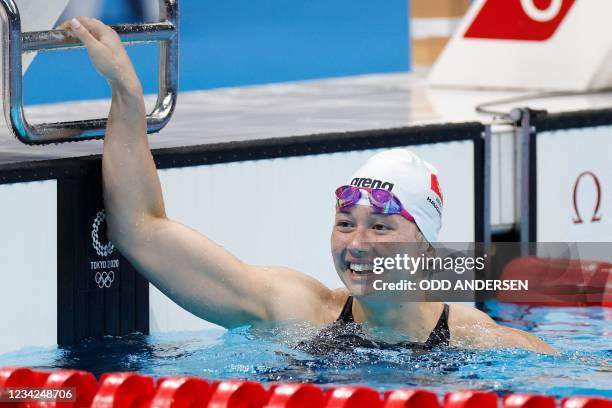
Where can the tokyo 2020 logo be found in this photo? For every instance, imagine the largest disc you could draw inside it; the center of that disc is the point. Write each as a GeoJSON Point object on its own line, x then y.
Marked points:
{"type": "Point", "coordinates": [101, 248]}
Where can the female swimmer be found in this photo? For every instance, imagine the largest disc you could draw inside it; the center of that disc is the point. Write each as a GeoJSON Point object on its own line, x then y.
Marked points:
{"type": "Point", "coordinates": [211, 283]}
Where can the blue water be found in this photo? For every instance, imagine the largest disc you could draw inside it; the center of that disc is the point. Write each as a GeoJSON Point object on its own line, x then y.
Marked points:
{"type": "Point", "coordinates": [241, 42]}
{"type": "Point", "coordinates": [268, 355]}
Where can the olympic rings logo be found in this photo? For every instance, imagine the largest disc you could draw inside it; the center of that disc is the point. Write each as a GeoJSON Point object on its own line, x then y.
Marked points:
{"type": "Point", "coordinates": [102, 250]}
{"type": "Point", "coordinates": [105, 279]}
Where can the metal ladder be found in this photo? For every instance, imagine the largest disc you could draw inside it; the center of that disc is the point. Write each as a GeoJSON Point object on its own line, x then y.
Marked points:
{"type": "Point", "coordinates": [165, 32]}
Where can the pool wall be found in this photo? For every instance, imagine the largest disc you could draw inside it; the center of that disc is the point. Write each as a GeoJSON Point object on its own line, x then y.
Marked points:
{"type": "Point", "coordinates": [96, 290]}
{"type": "Point", "coordinates": [569, 187]}
{"type": "Point", "coordinates": [74, 286]}
{"type": "Point", "coordinates": [28, 242]}
{"type": "Point", "coordinates": [61, 280]}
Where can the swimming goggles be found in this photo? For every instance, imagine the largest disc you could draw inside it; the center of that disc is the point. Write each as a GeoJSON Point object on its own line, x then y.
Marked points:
{"type": "Point", "coordinates": [383, 201]}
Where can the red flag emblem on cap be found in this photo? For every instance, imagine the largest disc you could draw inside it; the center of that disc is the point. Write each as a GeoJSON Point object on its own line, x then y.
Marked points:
{"type": "Point", "coordinates": [435, 186]}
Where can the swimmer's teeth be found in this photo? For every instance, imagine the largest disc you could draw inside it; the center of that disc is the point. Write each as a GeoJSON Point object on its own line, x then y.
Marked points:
{"type": "Point", "coordinates": [360, 267]}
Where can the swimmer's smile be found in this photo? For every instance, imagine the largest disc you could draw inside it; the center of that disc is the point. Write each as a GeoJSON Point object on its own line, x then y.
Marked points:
{"type": "Point", "coordinates": [360, 269]}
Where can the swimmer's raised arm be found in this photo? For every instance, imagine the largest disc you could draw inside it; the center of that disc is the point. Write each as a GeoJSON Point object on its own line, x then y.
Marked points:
{"type": "Point", "coordinates": [192, 270]}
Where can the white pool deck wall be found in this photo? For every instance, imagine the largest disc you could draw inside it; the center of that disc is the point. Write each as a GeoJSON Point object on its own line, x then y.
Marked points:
{"type": "Point", "coordinates": [574, 180]}
{"type": "Point", "coordinates": [267, 212]}
{"type": "Point", "coordinates": [572, 184]}
{"type": "Point", "coordinates": [28, 265]}
{"type": "Point", "coordinates": [28, 233]}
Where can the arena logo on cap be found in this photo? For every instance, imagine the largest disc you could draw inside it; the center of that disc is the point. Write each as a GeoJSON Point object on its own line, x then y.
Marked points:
{"type": "Point", "coordinates": [526, 20]}
{"type": "Point", "coordinates": [371, 183]}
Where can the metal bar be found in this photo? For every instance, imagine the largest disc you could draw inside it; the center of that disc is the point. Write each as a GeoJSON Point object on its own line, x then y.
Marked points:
{"type": "Point", "coordinates": [167, 72]}
{"type": "Point", "coordinates": [503, 228]}
{"type": "Point", "coordinates": [129, 34]}
{"type": "Point", "coordinates": [487, 185]}
{"type": "Point", "coordinates": [165, 32]}
{"type": "Point", "coordinates": [12, 80]}
{"type": "Point", "coordinates": [525, 180]}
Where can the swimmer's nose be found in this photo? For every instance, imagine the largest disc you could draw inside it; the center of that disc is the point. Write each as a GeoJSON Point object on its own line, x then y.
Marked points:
{"type": "Point", "coordinates": [358, 252]}
{"type": "Point", "coordinates": [358, 246]}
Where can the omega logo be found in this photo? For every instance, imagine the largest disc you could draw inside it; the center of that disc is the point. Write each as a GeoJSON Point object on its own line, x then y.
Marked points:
{"type": "Point", "coordinates": [596, 216]}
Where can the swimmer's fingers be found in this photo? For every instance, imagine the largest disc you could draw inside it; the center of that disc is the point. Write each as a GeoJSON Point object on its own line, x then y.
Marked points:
{"type": "Point", "coordinates": [82, 32]}
{"type": "Point", "coordinates": [105, 49]}
{"type": "Point", "coordinates": [101, 32]}
{"type": "Point", "coordinates": [64, 26]}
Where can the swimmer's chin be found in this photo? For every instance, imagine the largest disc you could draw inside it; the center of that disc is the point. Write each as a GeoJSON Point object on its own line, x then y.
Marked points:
{"type": "Point", "coordinates": [359, 284]}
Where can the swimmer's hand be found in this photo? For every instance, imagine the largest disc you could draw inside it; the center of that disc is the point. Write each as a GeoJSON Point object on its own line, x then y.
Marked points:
{"type": "Point", "coordinates": [105, 50]}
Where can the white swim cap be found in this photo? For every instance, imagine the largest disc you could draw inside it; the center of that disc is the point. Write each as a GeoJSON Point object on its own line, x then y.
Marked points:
{"type": "Point", "coordinates": [412, 180]}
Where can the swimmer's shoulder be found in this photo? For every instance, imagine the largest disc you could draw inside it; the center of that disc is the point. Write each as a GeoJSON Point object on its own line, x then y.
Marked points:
{"type": "Point", "coordinates": [297, 296]}
{"type": "Point", "coordinates": [337, 300]}
{"type": "Point", "coordinates": [462, 320]}
{"type": "Point", "coordinates": [472, 328]}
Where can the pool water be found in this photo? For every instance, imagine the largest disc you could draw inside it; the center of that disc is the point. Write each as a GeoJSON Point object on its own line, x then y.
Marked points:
{"type": "Point", "coordinates": [582, 334]}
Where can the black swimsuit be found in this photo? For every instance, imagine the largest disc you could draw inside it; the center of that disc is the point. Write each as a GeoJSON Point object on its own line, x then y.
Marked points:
{"type": "Point", "coordinates": [344, 335]}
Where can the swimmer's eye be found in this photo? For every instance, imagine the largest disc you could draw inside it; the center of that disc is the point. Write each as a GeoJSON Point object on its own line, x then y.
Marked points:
{"type": "Point", "coordinates": [343, 224]}
{"type": "Point", "coordinates": [381, 227]}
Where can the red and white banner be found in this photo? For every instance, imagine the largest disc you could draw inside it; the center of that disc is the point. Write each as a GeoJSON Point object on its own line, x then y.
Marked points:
{"type": "Point", "coordinates": [530, 44]}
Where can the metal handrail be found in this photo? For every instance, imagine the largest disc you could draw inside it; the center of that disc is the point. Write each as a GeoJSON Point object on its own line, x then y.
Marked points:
{"type": "Point", "coordinates": [16, 43]}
